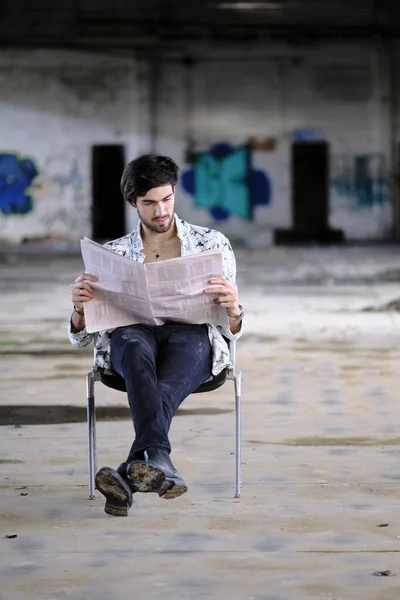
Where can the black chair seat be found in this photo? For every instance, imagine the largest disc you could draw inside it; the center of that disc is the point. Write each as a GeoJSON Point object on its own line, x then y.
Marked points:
{"type": "Point", "coordinates": [116, 382]}
{"type": "Point", "coordinates": [112, 380]}
{"type": "Point", "coordinates": [214, 383]}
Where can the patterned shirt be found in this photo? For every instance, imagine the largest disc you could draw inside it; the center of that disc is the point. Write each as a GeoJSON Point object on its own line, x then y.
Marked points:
{"type": "Point", "coordinates": [194, 239]}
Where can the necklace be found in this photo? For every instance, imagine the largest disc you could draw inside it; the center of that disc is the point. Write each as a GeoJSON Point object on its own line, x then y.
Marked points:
{"type": "Point", "coordinates": [157, 253]}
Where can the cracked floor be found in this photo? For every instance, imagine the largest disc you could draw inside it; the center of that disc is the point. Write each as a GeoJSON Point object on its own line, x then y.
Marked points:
{"type": "Point", "coordinates": [319, 511]}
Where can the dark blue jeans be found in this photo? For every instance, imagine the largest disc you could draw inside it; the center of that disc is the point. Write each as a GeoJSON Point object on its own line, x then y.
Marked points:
{"type": "Point", "coordinates": [161, 366]}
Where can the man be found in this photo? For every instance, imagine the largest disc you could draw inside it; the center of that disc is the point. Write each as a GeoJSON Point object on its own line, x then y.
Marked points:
{"type": "Point", "coordinates": [161, 365]}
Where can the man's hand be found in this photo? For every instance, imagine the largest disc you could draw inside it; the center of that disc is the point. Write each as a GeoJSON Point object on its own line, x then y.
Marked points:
{"type": "Point", "coordinates": [81, 291]}
{"type": "Point", "coordinates": [227, 296]}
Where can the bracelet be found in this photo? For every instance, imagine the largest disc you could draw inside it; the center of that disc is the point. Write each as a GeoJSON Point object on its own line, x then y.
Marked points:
{"type": "Point", "coordinates": [240, 317]}
{"type": "Point", "coordinates": [82, 314]}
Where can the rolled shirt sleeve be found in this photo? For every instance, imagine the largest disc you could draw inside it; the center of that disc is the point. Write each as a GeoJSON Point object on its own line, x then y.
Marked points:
{"type": "Point", "coordinates": [229, 274]}
{"type": "Point", "coordinates": [80, 338]}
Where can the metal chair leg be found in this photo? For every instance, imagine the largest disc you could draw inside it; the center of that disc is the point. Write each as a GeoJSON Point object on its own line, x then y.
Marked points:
{"type": "Point", "coordinates": [91, 430]}
{"type": "Point", "coordinates": [94, 437]}
{"type": "Point", "coordinates": [238, 457]}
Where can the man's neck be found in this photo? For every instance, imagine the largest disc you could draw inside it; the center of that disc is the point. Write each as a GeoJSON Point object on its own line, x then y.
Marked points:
{"type": "Point", "coordinates": [153, 236]}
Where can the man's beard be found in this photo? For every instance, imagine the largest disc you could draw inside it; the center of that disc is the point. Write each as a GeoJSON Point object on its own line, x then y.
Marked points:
{"type": "Point", "coordinates": [157, 227]}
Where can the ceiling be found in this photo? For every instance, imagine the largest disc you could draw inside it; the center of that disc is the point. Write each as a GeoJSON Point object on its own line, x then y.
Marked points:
{"type": "Point", "coordinates": [155, 23]}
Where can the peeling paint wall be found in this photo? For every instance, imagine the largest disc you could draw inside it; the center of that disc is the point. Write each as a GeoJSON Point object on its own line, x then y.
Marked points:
{"type": "Point", "coordinates": [250, 104]}
{"type": "Point", "coordinates": [267, 97]}
{"type": "Point", "coordinates": [53, 107]}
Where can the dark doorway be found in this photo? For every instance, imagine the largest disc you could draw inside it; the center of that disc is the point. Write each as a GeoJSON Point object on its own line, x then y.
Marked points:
{"type": "Point", "coordinates": [108, 204]}
{"type": "Point", "coordinates": [310, 196]}
{"type": "Point", "coordinates": [396, 198]}
{"type": "Point", "coordinates": [310, 186]}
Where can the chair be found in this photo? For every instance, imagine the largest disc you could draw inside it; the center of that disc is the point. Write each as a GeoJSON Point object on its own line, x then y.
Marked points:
{"type": "Point", "coordinates": [114, 381]}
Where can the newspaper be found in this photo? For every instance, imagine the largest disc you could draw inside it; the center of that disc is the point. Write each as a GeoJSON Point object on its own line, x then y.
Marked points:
{"type": "Point", "coordinates": [129, 292]}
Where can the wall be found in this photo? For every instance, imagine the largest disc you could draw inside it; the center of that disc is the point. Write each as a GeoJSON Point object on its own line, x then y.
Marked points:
{"type": "Point", "coordinates": [275, 94]}
{"type": "Point", "coordinates": [228, 118]}
{"type": "Point", "coordinates": [53, 107]}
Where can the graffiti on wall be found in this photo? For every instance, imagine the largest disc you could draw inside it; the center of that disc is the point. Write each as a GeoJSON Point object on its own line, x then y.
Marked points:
{"type": "Point", "coordinates": [16, 177]}
{"type": "Point", "coordinates": [51, 193]}
{"type": "Point", "coordinates": [307, 134]}
{"type": "Point", "coordinates": [61, 179]}
{"type": "Point", "coordinates": [223, 181]}
{"type": "Point", "coordinates": [362, 178]}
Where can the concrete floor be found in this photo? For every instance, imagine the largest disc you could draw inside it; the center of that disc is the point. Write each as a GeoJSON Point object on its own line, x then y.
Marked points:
{"type": "Point", "coordinates": [321, 446]}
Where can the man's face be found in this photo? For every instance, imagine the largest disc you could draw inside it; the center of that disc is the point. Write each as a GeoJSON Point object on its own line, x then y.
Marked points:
{"type": "Point", "coordinates": [156, 208]}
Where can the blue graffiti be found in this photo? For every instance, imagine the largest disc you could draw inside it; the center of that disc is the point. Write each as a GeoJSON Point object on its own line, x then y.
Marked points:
{"type": "Point", "coordinates": [16, 175]}
{"type": "Point", "coordinates": [307, 134]}
{"type": "Point", "coordinates": [223, 181]}
{"type": "Point", "coordinates": [363, 178]}
{"type": "Point", "coordinates": [369, 181]}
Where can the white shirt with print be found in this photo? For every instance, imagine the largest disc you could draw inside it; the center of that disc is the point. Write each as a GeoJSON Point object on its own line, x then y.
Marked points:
{"type": "Point", "coordinates": [194, 239]}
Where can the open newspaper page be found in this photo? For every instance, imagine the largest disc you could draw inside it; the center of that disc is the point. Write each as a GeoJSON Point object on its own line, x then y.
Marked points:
{"type": "Point", "coordinates": [130, 292]}
{"type": "Point", "coordinates": [121, 296]}
{"type": "Point", "coordinates": [176, 289]}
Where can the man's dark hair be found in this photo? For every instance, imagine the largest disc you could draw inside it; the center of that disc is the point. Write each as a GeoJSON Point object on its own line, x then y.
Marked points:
{"type": "Point", "coordinates": [147, 172]}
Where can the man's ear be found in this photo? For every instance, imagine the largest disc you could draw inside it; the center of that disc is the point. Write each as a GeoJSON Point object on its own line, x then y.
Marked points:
{"type": "Point", "coordinates": [133, 203]}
